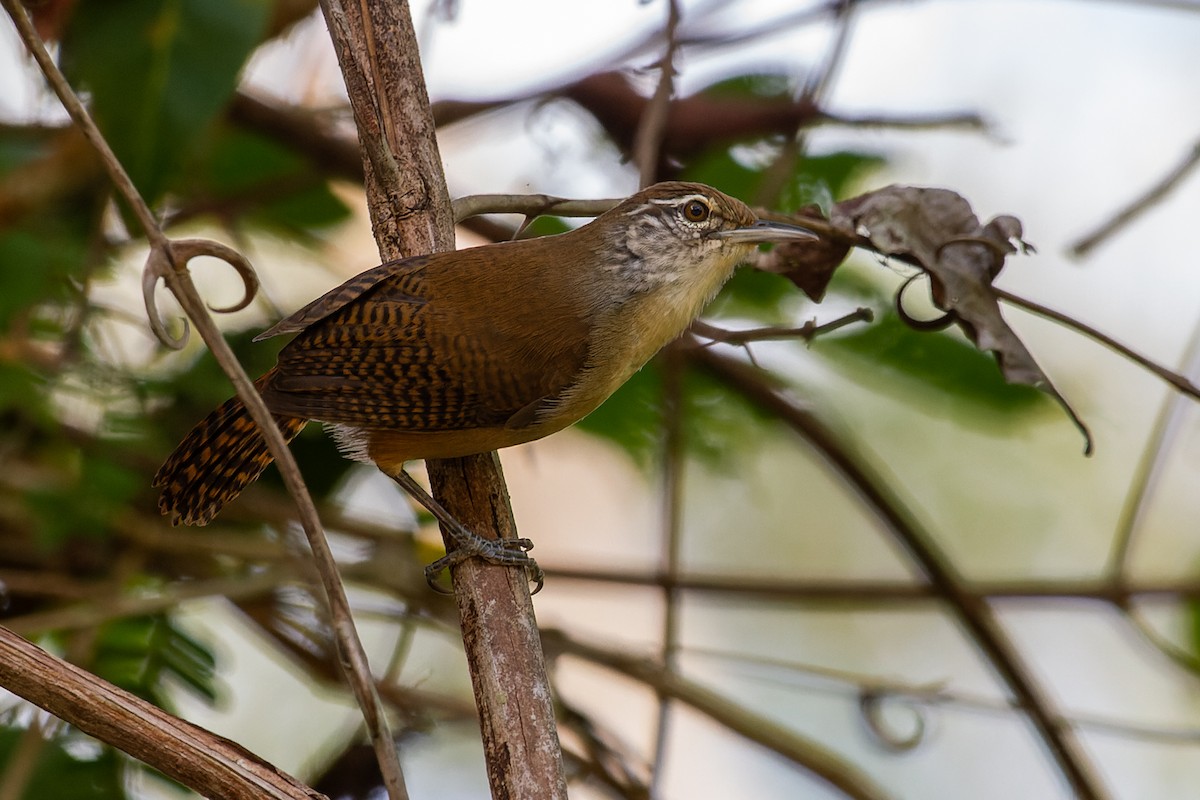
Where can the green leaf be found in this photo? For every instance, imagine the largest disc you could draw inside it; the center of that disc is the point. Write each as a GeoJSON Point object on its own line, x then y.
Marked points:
{"type": "Point", "coordinates": [22, 396]}
{"type": "Point", "coordinates": [98, 490]}
{"type": "Point", "coordinates": [632, 417]}
{"type": "Point", "coordinates": [738, 170]}
{"type": "Point", "coordinates": [817, 178]}
{"type": "Point", "coordinates": [37, 260]}
{"type": "Point", "coordinates": [941, 370]}
{"type": "Point", "coordinates": [754, 85]}
{"type": "Point", "coordinates": [158, 72]}
{"type": "Point", "coordinates": [263, 181]}
{"type": "Point", "coordinates": [20, 145]}
{"type": "Point", "coordinates": [716, 421]}
{"type": "Point", "coordinates": [142, 654]}
{"type": "Point", "coordinates": [753, 293]}
{"type": "Point", "coordinates": [546, 226]}
{"type": "Point", "coordinates": [721, 169]}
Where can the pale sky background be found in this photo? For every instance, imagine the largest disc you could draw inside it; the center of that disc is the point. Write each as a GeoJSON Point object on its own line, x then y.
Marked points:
{"type": "Point", "coordinates": [1091, 103]}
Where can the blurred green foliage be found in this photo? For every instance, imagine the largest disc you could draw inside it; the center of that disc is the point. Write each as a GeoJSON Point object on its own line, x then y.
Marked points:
{"type": "Point", "coordinates": [69, 767]}
{"type": "Point", "coordinates": [143, 655]}
{"type": "Point", "coordinates": [158, 73]}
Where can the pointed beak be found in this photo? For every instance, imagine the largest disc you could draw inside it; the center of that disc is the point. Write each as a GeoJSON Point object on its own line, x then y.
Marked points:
{"type": "Point", "coordinates": [764, 231]}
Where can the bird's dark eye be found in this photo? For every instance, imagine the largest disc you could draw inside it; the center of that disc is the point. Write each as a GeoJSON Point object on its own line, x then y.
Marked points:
{"type": "Point", "coordinates": [696, 211]}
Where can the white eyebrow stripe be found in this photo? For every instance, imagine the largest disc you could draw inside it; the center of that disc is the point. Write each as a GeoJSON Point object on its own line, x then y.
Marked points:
{"type": "Point", "coordinates": [670, 201]}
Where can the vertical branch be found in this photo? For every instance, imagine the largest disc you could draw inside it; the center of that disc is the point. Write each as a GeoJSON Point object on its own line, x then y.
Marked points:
{"type": "Point", "coordinates": [502, 641]}
{"type": "Point", "coordinates": [647, 142]}
{"type": "Point", "coordinates": [812, 94]}
{"type": "Point", "coordinates": [1151, 467]}
{"type": "Point", "coordinates": [672, 479]}
{"type": "Point", "coordinates": [410, 212]}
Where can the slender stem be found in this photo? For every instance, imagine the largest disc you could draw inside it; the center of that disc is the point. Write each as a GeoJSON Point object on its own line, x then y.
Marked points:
{"type": "Point", "coordinates": [648, 140]}
{"type": "Point", "coordinates": [1151, 466]}
{"type": "Point", "coordinates": [1139, 205]}
{"type": "Point", "coordinates": [674, 464]}
{"type": "Point", "coordinates": [1170, 376]}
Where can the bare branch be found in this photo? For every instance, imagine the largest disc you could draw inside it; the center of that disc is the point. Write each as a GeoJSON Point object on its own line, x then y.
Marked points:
{"type": "Point", "coordinates": [1176, 380]}
{"type": "Point", "coordinates": [1151, 467]}
{"type": "Point", "coordinates": [529, 205]}
{"type": "Point", "coordinates": [812, 95]}
{"type": "Point", "coordinates": [1139, 206]}
{"type": "Point", "coordinates": [210, 764]}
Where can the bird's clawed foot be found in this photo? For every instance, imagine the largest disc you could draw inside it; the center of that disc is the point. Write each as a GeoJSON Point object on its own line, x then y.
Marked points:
{"type": "Point", "coordinates": [468, 544]}
{"type": "Point", "coordinates": [504, 552]}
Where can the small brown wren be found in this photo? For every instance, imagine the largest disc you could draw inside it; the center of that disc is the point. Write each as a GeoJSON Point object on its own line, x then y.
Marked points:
{"type": "Point", "coordinates": [463, 352]}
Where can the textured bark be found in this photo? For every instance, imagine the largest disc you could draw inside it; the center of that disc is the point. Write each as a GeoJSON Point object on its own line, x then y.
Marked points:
{"type": "Point", "coordinates": [410, 213]}
{"type": "Point", "coordinates": [204, 762]}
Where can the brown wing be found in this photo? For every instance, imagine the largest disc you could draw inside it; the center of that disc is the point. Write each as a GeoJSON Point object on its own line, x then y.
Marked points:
{"type": "Point", "coordinates": [396, 273]}
{"type": "Point", "coordinates": [420, 345]}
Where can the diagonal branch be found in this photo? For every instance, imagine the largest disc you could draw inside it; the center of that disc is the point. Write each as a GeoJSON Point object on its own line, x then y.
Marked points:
{"type": "Point", "coordinates": [972, 611]}
{"type": "Point", "coordinates": [1139, 205]}
{"type": "Point", "coordinates": [210, 764]}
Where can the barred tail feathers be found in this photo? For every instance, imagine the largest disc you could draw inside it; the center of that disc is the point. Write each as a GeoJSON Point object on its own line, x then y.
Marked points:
{"type": "Point", "coordinates": [218, 458]}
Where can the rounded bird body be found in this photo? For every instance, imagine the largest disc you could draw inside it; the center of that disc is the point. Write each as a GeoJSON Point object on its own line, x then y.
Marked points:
{"type": "Point", "coordinates": [464, 352]}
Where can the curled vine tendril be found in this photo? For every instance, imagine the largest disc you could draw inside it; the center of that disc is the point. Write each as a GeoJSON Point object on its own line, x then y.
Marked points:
{"type": "Point", "coordinates": [940, 323]}
{"type": "Point", "coordinates": [873, 705]}
{"type": "Point", "coordinates": [162, 264]}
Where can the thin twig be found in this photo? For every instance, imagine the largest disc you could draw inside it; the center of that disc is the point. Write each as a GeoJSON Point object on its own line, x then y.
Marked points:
{"type": "Point", "coordinates": [529, 205]}
{"type": "Point", "coordinates": [808, 331]}
{"type": "Point", "coordinates": [970, 609]}
{"type": "Point", "coordinates": [101, 609]}
{"type": "Point", "coordinates": [776, 176]}
{"type": "Point", "coordinates": [647, 142]}
{"type": "Point", "coordinates": [934, 694]}
{"type": "Point", "coordinates": [962, 120]}
{"type": "Point", "coordinates": [1138, 206]}
{"type": "Point", "coordinates": [1151, 466]}
{"type": "Point", "coordinates": [872, 593]}
{"type": "Point", "coordinates": [162, 261]}
{"type": "Point", "coordinates": [674, 463]}
{"type": "Point", "coordinates": [1170, 376]}
{"type": "Point", "coordinates": [808, 754]}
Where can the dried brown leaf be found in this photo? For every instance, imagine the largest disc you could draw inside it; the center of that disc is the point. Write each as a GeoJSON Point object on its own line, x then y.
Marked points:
{"type": "Point", "coordinates": [809, 264]}
{"type": "Point", "coordinates": [937, 229]}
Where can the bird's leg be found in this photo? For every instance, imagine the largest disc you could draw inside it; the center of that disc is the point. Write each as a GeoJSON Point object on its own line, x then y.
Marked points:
{"type": "Point", "coordinates": [467, 543]}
